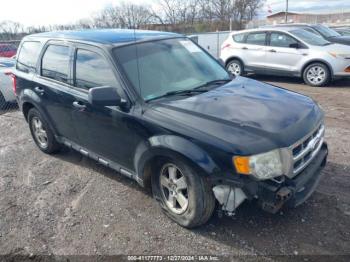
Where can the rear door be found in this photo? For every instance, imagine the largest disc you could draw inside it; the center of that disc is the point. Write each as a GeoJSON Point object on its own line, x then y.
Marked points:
{"type": "Point", "coordinates": [281, 55]}
{"type": "Point", "coordinates": [53, 86]}
{"type": "Point", "coordinates": [254, 50]}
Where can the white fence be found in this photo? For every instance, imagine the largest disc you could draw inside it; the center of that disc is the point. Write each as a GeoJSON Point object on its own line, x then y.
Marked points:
{"type": "Point", "coordinates": [211, 41]}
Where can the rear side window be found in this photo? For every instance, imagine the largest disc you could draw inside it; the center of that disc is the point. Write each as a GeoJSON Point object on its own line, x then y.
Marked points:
{"type": "Point", "coordinates": [28, 56]}
{"type": "Point", "coordinates": [256, 38]}
{"type": "Point", "coordinates": [55, 63]}
{"type": "Point", "coordinates": [92, 70]}
{"type": "Point", "coordinates": [239, 38]}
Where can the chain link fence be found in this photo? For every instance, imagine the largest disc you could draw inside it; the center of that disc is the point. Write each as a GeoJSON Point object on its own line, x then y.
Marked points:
{"type": "Point", "coordinates": [8, 50]}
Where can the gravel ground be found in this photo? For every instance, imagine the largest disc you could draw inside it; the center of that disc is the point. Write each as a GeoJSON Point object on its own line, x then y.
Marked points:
{"type": "Point", "coordinates": [69, 205]}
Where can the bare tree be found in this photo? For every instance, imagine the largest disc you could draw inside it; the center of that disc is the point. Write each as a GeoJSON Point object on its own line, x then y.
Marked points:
{"type": "Point", "coordinates": [9, 29]}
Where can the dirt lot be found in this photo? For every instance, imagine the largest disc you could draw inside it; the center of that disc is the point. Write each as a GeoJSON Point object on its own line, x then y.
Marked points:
{"type": "Point", "coordinates": [70, 205]}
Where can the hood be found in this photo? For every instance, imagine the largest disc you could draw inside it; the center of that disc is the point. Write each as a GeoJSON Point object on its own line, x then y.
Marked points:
{"type": "Point", "coordinates": [247, 114]}
{"type": "Point", "coordinates": [337, 48]}
{"type": "Point", "coordinates": [341, 40]}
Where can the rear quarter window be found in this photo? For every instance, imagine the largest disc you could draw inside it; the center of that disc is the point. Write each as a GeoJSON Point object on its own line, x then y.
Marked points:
{"type": "Point", "coordinates": [239, 38]}
{"type": "Point", "coordinates": [28, 56]}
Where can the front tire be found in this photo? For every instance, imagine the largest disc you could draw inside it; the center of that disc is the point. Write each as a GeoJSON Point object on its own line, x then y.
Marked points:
{"type": "Point", "coordinates": [41, 132]}
{"type": "Point", "coordinates": [316, 74]}
{"type": "Point", "coordinates": [235, 67]}
{"type": "Point", "coordinates": [184, 195]}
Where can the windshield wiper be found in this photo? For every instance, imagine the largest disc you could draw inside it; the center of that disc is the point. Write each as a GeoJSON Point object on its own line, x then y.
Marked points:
{"type": "Point", "coordinates": [197, 89]}
{"type": "Point", "coordinates": [178, 92]}
{"type": "Point", "coordinates": [214, 82]}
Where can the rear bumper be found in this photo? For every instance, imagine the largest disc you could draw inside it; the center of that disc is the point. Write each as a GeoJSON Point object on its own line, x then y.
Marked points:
{"type": "Point", "coordinates": [272, 195]}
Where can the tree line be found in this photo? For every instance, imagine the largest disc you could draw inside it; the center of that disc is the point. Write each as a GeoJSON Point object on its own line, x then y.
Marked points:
{"type": "Point", "coordinates": [183, 16]}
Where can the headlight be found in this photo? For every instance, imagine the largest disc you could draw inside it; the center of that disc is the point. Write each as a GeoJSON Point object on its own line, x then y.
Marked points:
{"type": "Point", "coordinates": [339, 55]}
{"type": "Point", "coordinates": [263, 166]}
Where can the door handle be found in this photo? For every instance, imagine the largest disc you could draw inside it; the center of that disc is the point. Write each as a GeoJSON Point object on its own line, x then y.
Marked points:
{"type": "Point", "coordinates": [245, 48]}
{"type": "Point", "coordinates": [273, 51]}
{"type": "Point", "coordinates": [39, 90]}
{"type": "Point", "coordinates": [79, 105]}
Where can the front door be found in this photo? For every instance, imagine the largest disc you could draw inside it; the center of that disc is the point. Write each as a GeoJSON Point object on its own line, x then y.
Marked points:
{"type": "Point", "coordinates": [281, 53]}
{"type": "Point", "coordinates": [105, 131]}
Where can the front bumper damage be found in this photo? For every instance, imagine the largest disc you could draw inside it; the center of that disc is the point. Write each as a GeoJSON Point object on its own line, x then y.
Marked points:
{"type": "Point", "coordinates": [272, 195]}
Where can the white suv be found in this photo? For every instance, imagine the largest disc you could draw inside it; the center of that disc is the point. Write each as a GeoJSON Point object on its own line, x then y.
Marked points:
{"type": "Point", "coordinates": [289, 51]}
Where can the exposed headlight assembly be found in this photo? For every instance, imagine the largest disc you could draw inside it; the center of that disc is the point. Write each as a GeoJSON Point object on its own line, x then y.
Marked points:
{"type": "Point", "coordinates": [262, 166]}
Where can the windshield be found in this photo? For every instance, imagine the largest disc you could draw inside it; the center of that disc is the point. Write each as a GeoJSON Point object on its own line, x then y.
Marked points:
{"type": "Point", "coordinates": [169, 65]}
{"type": "Point", "coordinates": [326, 31]}
{"type": "Point", "coordinates": [310, 38]}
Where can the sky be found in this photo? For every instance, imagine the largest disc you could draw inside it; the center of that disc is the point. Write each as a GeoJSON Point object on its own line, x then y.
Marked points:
{"type": "Point", "coordinates": [46, 12]}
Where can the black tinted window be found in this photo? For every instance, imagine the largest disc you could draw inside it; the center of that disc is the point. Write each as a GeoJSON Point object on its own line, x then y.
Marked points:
{"type": "Point", "coordinates": [281, 40]}
{"type": "Point", "coordinates": [55, 63]}
{"type": "Point", "coordinates": [92, 70]}
{"type": "Point", "coordinates": [256, 39]}
{"type": "Point", "coordinates": [239, 38]}
{"type": "Point", "coordinates": [28, 56]}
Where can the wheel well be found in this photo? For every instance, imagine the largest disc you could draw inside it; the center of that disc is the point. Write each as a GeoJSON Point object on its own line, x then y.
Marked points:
{"type": "Point", "coordinates": [317, 62]}
{"type": "Point", "coordinates": [234, 58]}
{"type": "Point", "coordinates": [25, 109]}
{"type": "Point", "coordinates": [154, 164]}
{"type": "Point", "coordinates": [150, 168]}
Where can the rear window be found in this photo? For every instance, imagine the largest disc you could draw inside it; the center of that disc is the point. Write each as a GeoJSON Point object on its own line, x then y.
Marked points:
{"type": "Point", "coordinates": [55, 63]}
{"type": "Point", "coordinates": [239, 38]}
{"type": "Point", "coordinates": [28, 56]}
{"type": "Point", "coordinates": [7, 48]}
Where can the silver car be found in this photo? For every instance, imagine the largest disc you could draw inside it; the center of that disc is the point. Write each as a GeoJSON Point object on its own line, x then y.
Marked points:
{"type": "Point", "coordinates": [6, 86]}
{"type": "Point", "coordinates": [289, 51]}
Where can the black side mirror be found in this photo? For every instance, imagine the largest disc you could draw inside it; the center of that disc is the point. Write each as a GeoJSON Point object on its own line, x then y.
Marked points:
{"type": "Point", "coordinates": [294, 45]}
{"type": "Point", "coordinates": [105, 96]}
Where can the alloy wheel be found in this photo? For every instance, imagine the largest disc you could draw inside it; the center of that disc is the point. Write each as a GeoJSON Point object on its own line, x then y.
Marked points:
{"type": "Point", "coordinates": [316, 75]}
{"type": "Point", "coordinates": [234, 69]}
{"type": "Point", "coordinates": [39, 132]}
{"type": "Point", "coordinates": [174, 188]}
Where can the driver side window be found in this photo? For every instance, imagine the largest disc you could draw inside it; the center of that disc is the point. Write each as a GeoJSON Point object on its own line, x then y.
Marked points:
{"type": "Point", "coordinates": [281, 40]}
{"type": "Point", "coordinates": [92, 70]}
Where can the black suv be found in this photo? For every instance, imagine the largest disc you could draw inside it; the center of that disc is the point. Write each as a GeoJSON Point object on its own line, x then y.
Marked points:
{"type": "Point", "coordinates": [157, 108]}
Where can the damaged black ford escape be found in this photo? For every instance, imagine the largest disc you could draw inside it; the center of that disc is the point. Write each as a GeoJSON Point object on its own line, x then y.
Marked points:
{"type": "Point", "coordinates": [157, 108]}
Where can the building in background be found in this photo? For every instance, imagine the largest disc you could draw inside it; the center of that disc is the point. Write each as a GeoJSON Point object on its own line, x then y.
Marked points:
{"type": "Point", "coordinates": [333, 19]}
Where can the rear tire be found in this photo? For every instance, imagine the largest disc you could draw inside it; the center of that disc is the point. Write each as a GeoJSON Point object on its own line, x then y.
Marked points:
{"type": "Point", "coordinates": [185, 196]}
{"type": "Point", "coordinates": [41, 132]}
{"type": "Point", "coordinates": [317, 75]}
{"type": "Point", "coordinates": [235, 67]}
{"type": "Point", "coordinates": [3, 102]}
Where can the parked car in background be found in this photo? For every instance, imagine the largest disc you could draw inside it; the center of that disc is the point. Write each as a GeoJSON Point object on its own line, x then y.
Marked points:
{"type": "Point", "coordinates": [157, 108]}
{"type": "Point", "coordinates": [7, 50]}
{"type": "Point", "coordinates": [290, 51]}
{"type": "Point", "coordinates": [7, 94]}
{"type": "Point", "coordinates": [344, 31]}
{"type": "Point", "coordinates": [327, 33]}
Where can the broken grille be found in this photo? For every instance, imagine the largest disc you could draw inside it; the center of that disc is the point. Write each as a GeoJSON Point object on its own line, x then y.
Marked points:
{"type": "Point", "coordinates": [307, 149]}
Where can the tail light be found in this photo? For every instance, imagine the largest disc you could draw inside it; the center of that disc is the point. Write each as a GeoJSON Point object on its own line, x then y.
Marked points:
{"type": "Point", "coordinates": [14, 82]}
{"type": "Point", "coordinates": [225, 46]}
{"type": "Point", "coordinates": [347, 70]}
